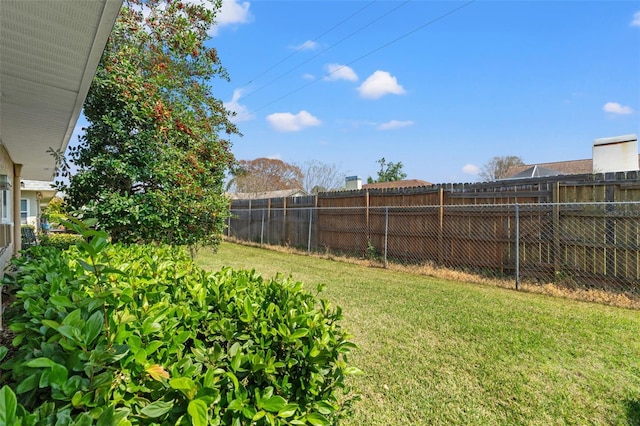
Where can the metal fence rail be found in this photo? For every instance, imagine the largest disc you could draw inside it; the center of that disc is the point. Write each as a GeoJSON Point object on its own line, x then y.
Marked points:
{"type": "Point", "coordinates": [578, 245]}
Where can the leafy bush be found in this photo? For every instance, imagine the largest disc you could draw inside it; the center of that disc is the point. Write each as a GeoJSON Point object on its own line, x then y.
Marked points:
{"type": "Point", "coordinates": [139, 335]}
{"type": "Point", "coordinates": [54, 212]}
{"type": "Point", "coordinates": [59, 241]}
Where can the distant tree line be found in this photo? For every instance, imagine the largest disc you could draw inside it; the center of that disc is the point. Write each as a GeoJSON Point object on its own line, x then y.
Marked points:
{"type": "Point", "coordinates": [270, 174]}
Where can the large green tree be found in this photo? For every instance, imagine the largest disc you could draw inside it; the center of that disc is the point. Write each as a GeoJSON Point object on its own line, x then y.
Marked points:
{"type": "Point", "coordinates": [152, 160]}
{"type": "Point", "coordinates": [389, 172]}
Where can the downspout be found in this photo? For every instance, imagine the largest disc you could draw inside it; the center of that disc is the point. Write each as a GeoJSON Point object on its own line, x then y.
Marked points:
{"type": "Point", "coordinates": [17, 192]}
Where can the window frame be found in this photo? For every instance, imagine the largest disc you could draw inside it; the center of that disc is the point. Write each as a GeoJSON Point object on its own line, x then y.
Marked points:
{"type": "Point", "coordinates": [26, 218]}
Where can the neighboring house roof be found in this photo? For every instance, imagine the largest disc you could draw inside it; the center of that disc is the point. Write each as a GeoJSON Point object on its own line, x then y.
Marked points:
{"type": "Point", "coordinates": [535, 171]}
{"type": "Point", "coordinates": [45, 189]}
{"type": "Point", "coordinates": [575, 167]}
{"type": "Point", "coordinates": [409, 183]}
{"type": "Point", "coordinates": [267, 194]}
{"type": "Point", "coordinates": [37, 185]}
{"type": "Point", "coordinates": [50, 51]}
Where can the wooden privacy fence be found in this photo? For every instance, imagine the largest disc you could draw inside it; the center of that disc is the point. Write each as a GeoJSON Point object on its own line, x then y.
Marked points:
{"type": "Point", "coordinates": [584, 245]}
{"type": "Point", "coordinates": [583, 232]}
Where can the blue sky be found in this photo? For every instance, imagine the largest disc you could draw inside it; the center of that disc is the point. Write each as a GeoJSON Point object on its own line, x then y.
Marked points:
{"type": "Point", "coordinates": [439, 86]}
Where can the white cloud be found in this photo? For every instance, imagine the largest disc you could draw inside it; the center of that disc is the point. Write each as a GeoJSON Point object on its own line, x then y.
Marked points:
{"type": "Point", "coordinates": [308, 76]}
{"type": "Point", "coordinates": [242, 112]}
{"type": "Point", "coordinates": [287, 122]}
{"type": "Point", "coordinates": [395, 124]}
{"type": "Point", "coordinates": [230, 13]}
{"type": "Point", "coordinates": [471, 169]}
{"type": "Point", "coordinates": [378, 84]}
{"type": "Point", "coordinates": [340, 72]}
{"type": "Point", "coordinates": [233, 12]}
{"type": "Point", "coordinates": [307, 45]}
{"type": "Point", "coordinates": [616, 108]}
{"type": "Point", "coordinates": [635, 22]}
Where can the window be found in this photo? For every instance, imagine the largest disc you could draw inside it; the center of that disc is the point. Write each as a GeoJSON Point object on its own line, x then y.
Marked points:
{"type": "Point", "coordinates": [5, 207]}
{"type": "Point", "coordinates": [24, 210]}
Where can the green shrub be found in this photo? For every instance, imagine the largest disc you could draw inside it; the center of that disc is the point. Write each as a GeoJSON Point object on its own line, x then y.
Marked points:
{"type": "Point", "coordinates": [141, 336]}
{"type": "Point", "coordinates": [59, 241]}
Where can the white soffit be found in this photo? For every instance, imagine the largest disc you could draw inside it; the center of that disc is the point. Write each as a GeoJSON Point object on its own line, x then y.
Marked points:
{"type": "Point", "coordinates": [49, 51]}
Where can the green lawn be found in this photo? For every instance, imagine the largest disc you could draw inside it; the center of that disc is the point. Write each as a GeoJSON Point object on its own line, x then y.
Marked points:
{"type": "Point", "coordinates": [444, 352]}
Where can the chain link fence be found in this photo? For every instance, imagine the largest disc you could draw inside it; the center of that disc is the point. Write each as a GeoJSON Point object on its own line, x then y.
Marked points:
{"type": "Point", "coordinates": [578, 246]}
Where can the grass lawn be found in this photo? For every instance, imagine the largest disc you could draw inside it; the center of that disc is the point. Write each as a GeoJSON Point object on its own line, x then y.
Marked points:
{"type": "Point", "coordinates": [445, 352]}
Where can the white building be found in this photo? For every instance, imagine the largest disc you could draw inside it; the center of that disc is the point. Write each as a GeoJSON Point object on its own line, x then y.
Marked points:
{"type": "Point", "coordinates": [49, 52]}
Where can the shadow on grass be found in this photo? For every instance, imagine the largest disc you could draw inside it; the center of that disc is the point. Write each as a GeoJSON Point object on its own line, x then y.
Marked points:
{"type": "Point", "coordinates": [633, 412]}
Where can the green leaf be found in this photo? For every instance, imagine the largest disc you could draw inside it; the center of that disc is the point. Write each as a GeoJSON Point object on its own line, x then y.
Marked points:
{"type": "Point", "coordinates": [157, 409]}
{"type": "Point", "coordinates": [59, 375]}
{"type": "Point", "coordinates": [76, 399]}
{"type": "Point", "coordinates": [150, 327]}
{"type": "Point", "coordinates": [41, 363]}
{"type": "Point", "coordinates": [8, 406]}
{"type": "Point", "coordinates": [317, 419]}
{"type": "Point", "coordinates": [324, 407]}
{"type": "Point", "coordinates": [89, 222]}
{"type": "Point", "coordinates": [70, 332]}
{"type": "Point", "coordinates": [28, 384]}
{"type": "Point", "coordinates": [352, 371]}
{"type": "Point", "coordinates": [61, 301]}
{"type": "Point", "coordinates": [273, 404]}
{"type": "Point", "coordinates": [260, 414]}
{"type": "Point", "coordinates": [93, 327]}
{"type": "Point", "coordinates": [184, 385]}
{"type": "Point", "coordinates": [248, 307]}
{"type": "Point", "coordinates": [83, 420]}
{"type": "Point", "coordinates": [83, 245]}
{"type": "Point", "coordinates": [98, 242]}
{"type": "Point", "coordinates": [288, 410]}
{"type": "Point", "coordinates": [3, 352]}
{"type": "Point", "coordinates": [234, 379]}
{"type": "Point", "coordinates": [106, 417]}
{"type": "Point", "coordinates": [235, 405]}
{"type": "Point", "coordinates": [233, 350]}
{"type": "Point", "coordinates": [111, 417]}
{"type": "Point", "coordinates": [299, 333]}
{"type": "Point", "coordinates": [51, 324]}
{"type": "Point", "coordinates": [87, 267]}
{"type": "Point", "coordinates": [74, 318]}
{"type": "Point", "coordinates": [248, 411]}
{"type": "Point", "coordinates": [181, 383]}
{"type": "Point", "coordinates": [197, 409]}
{"type": "Point", "coordinates": [44, 379]}
{"type": "Point", "coordinates": [236, 361]}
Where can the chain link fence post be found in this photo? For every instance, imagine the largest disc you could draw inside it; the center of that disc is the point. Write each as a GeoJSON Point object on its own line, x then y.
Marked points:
{"type": "Point", "coordinates": [262, 229]}
{"type": "Point", "coordinates": [386, 234]}
{"type": "Point", "coordinates": [517, 224]}
{"type": "Point", "coordinates": [309, 237]}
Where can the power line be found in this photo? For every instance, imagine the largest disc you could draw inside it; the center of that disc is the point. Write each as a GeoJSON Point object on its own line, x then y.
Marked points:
{"type": "Point", "coordinates": [328, 48]}
{"type": "Point", "coordinates": [408, 33]}
{"type": "Point", "coordinates": [311, 41]}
